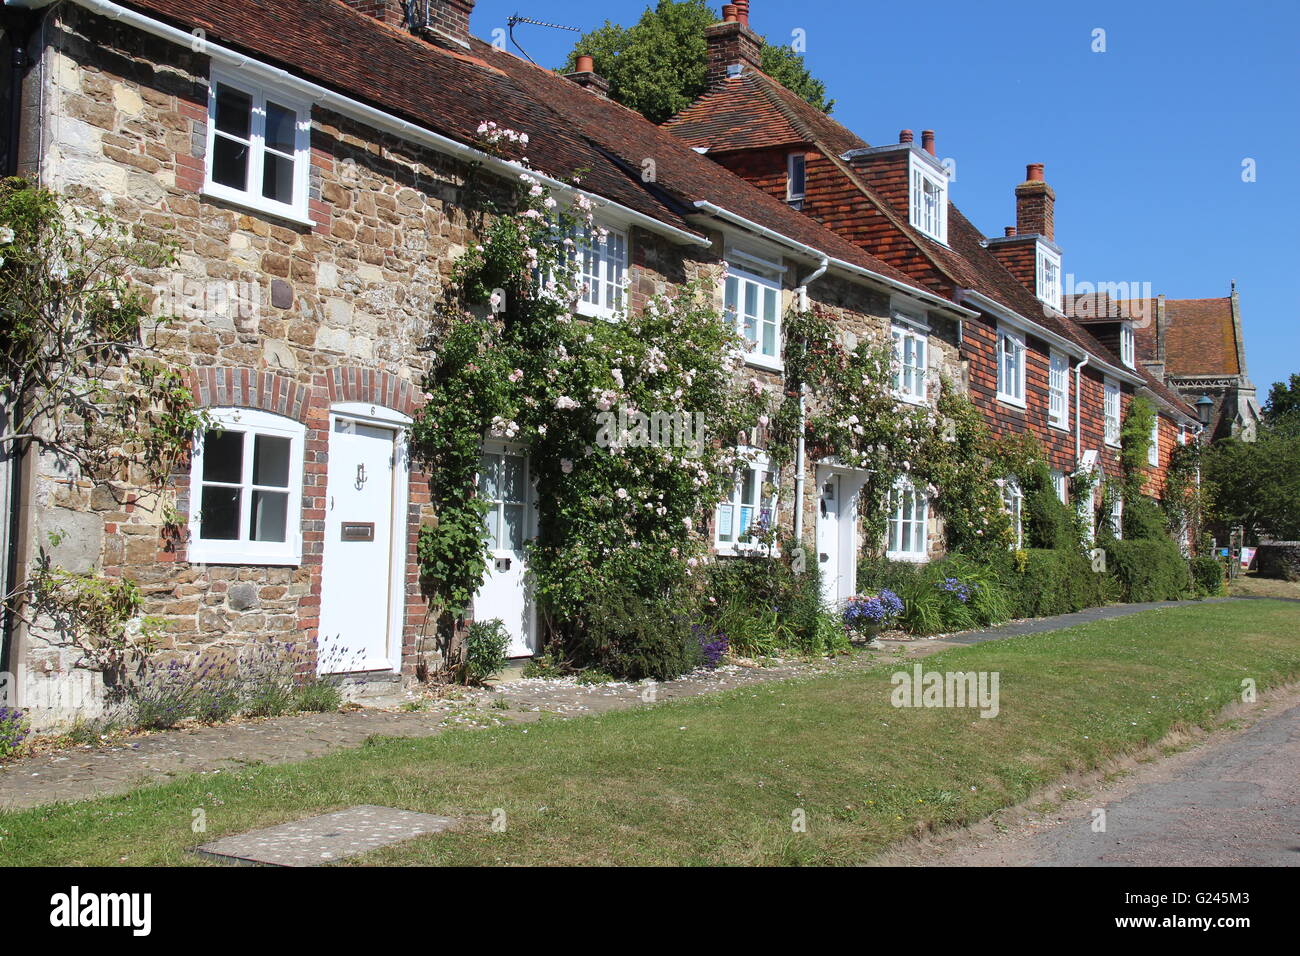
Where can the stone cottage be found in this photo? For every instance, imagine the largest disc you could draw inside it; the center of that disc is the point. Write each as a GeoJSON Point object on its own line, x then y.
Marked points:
{"type": "Point", "coordinates": [312, 161]}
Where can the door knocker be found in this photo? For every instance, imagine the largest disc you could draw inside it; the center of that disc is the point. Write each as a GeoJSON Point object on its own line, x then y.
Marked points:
{"type": "Point", "coordinates": [361, 477]}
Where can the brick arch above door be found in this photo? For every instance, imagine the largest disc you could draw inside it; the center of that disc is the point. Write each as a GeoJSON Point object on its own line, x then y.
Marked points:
{"type": "Point", "coordinates": [374, 386]}
{"type": "Point", "coordinates": [226, 387]}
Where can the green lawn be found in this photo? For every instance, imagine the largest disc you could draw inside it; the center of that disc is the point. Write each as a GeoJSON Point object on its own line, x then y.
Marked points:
{"type": "Point", "coordinates": [716, 779]}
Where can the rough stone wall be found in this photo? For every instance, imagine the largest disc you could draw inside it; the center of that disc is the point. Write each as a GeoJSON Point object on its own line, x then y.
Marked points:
{"type": "Point", "coordinates": [271, 315]}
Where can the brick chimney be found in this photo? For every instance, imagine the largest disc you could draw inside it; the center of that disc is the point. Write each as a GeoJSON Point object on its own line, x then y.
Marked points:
{"type": "Point", "coordinates": [586, 76]}
{"type": "Point", "coordinates": [444, 22]}
{"type": "Point", "coordinates": [732, 44]}
{"type": "Point", "coordinates": [1035, 205]}
{"type": "Point", "coordinates": [389, 11]}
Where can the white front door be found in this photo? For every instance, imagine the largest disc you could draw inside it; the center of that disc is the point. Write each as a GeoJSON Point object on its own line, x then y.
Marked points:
{"type": "Point", "coordinates": [828, 535]}
{"type": "Point", "coordinates": [363, 573]}
{"type": "Point", "coordinates": [837, 534]}
{"type": "Point", "coordinates": [507, 590]}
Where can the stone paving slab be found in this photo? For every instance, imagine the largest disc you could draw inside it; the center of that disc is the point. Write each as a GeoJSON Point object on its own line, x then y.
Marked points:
{"type": "Point", "coordinates": [85, 773]}
{"type": "Point", "coordinates": [318, 840]}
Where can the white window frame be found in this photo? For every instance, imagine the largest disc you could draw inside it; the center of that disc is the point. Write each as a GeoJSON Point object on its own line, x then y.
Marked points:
{"type": "Point", "coordinates": [1047, 276]}
{"type": "Point", "coordinates": [1013, 501]}
{"type": "Point", "coordinates": [251, 422]}
{"type": "Point", "coordinates": [1117, 518]}
{"type": "Point", "coordinates": [1112, 407]}
{"type": "Point", "coordinates": [1153, 449]}
{"type": "Point", "coordinates": [931, 220]}
{"type": "Point", "coordinates": [1011, 383]}
{"type": "Point", "coordinates": [1061, 485]}
{"type": "Point", "coordinates": [764, 282]}
{"type": "Point", "coordinates": [1127, 345]}
{"type": "Point", "coordinates": [252, 198]}
{"type": "Point", "coordinates": [909, 328]}
{"type": "Point", "coordinates": [1058, 389]}
{"type": "Point", "coordinates": [792, 161]}
{"type": "Point", "coordinates": [601, 270]}
{"type": "Point", "coordinates": [755, 463]}
{"type": "Point", "coordinates": [904, 530]}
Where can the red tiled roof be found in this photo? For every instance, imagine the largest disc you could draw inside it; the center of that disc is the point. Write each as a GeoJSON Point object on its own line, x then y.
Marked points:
{"type": "Point", "coordinates": [965, 261]}
{"type": "Point", "coordinates": [1201, 337]}
{"type": "Point", "coordinates": [571, 130]}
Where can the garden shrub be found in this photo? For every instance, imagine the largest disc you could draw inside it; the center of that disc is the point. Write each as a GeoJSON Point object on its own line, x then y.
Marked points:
{"type": "Point", "coordinates": [317, 697]}
{"type": "Point", "coordinates": [765, 608]}
{"type": "Point", "coordinates": [1056, 581]}
{"type": "Point", "coordinates": [1207, 574]}
{"type": "Point", "coordinates": [955, 593]}
{"type": "Point", "coordinates": [632, 638]}
{"type": "Point", "coordinates": [14, 728]}
{"type": "Point", "coordinates": [1147, 570]}
{"type": "Point", "coordinates": [483, 652]}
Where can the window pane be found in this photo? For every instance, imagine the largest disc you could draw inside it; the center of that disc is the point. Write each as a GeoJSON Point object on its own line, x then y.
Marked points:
{"type": "Point", "coordinates": [268, 519]}
{"type": "Point", "coordinates": [751, 311]}
{"type": "Point", "coordinates": [487, 477]}
{"type": "Point", "coordinates": [219, 514]}
{"type": "Point", "coordinates": [229, 163]}
{"type": "Point", "coordinates": [234, 111]}
{"type": "Point", "coordinates": [732, 296]}
{"type": "Point", "coordinates": [271, 462]}
{"type": "Point", "coordinates": [513, 478]}
{"type": "Point", "coordinates": [724, 522]}
{"type": "Point", "coordinates": [277, 178]}
{"type": "Point", "coordinates": [490, 521]}
{"type": "Point", "coordinates": [223, 456]}
{"type": "Point", "coordinates": [281, 128]}
{"type": "Point", "coordinates": [512, 527]}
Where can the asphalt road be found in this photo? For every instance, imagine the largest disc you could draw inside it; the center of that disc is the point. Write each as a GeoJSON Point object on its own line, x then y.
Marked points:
{"type": "Point", "coordinates": [1231, 801]}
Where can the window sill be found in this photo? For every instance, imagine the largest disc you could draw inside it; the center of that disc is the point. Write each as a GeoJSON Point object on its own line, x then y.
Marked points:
{"type": "Point", "coordinates": [589, 311]}
{"type": "Point", "coordinates": [755, 360]}
{"type": "Point", "coordinates": [198, 554]}
{"type": "Point", "coordinates": [921, 401]}
{"type": "Point", "coordinates": [727, 550]}
{"type": "Point", "coordinates": [911, 557]}
{"type": "Point", "coordinates": [1059, 427]}
{"type": "Point", "coordinates": [288, 214]}
{"type": "Point", "coordinates": [1012, 401]}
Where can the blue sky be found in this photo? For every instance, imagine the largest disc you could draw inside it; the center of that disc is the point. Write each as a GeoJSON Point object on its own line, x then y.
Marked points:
{"type": "Point", "coordinates": [1143, 143]}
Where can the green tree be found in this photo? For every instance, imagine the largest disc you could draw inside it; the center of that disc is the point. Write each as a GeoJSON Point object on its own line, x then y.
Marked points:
{"type": "Point", "coordinates": [1283, 401]}
{"type": "Point", "coordinates": [1257, 484]}
{"type": "Point", "coordinates": [659, 65]}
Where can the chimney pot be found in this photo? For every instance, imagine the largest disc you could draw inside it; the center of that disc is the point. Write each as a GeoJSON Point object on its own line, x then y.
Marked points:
{"type": "Point", "coordinates": [729, 13]}
{"type": "Point", "coordinates": [905, 136]}
{"type": "Point", "coordinates": [927, 140]}
{"type": "Point", "coordinates": [1009, 231]}
{"type": "Point", "coordinates": [586, 64]}
{"type": "Point", "coordinates": [742, 11]}
{"type": "Point", "coordinates": [1035, 204]}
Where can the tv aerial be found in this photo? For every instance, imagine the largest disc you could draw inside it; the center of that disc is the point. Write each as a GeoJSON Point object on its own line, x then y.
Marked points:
{"type": "Point", "coordinates": [516, 19]}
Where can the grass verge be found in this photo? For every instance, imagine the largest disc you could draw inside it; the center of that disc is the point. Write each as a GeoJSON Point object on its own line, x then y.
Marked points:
{"type": "Point", "coordinates": [720, 778]}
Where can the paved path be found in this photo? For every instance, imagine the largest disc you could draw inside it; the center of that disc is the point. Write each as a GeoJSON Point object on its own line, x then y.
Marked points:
{"type": "Point", "coordinates": [86, 772]}
{"type": "Point", "coordinates": [1232, 801]}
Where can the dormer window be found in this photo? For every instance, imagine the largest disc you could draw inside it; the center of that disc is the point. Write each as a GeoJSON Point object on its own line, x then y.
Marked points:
{"type": "Point", "coordinates": [929, 198]}
{"type": "Point", "coordinates": [1048, 272]}
{"type": "Point", "coordinates": [1127, 345]}
{"type": "Point", "coordinates": [796, 177]}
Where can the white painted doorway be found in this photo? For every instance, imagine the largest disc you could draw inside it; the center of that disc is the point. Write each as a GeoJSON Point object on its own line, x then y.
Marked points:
{"type": "Point", "coordinates": [837, 533]}
{"type": "Point", "coordinates": [364, 562]}
{"type": "Point", "coordinates": [505, 483]}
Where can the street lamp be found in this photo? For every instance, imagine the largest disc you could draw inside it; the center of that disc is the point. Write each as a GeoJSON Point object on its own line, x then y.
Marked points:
{"type": "Point", "coordinates": [1204, 409]}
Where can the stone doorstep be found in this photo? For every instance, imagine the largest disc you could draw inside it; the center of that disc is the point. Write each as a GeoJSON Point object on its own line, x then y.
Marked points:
{"type": "Point", "coordinates": [326, 838]}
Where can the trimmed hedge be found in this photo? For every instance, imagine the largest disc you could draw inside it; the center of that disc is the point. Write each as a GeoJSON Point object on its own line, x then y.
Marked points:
{"type": "Point", "coordinates": [1148, 570]}
{"type": "Point", "coordinates": [1207, 574]}
{"type": "Point", "coordinates": [1059, 582]}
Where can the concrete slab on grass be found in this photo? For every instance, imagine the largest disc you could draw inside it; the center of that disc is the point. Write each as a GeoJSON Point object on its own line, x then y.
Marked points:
{"type": "Point", "coordinates": [322, 839]}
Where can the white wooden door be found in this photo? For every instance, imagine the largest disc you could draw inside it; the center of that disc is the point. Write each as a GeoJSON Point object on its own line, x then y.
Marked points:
{"type": "Point", "coordinates": [360, 626]}
{"type": "Point", "coordinates": [507, 592]}
{"type": "Point", "coordinates": [828, 535]}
